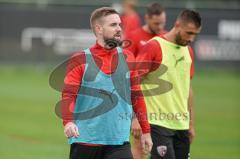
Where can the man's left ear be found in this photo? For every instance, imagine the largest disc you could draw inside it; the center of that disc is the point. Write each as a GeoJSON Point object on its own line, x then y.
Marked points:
{"type": "Point", "coordinates": [177, 24]}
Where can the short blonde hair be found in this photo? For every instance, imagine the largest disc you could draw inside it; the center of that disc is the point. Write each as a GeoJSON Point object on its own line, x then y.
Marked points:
{"type": "Point", "coordinates": [99, 13]}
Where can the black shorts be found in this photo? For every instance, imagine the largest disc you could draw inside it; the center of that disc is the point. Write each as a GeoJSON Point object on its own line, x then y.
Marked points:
{"type": "Point", "coordinates": [78, 151]}
{"type": "Point", "coordinates": [169, 144]}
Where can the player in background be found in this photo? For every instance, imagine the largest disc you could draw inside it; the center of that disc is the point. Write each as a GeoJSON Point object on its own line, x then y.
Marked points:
{"type": "Point", "coordinates": [130, 18]}
{"type": "Point", "coordinates": [155, 21]}
{"type": "Point", "coordinates": [169, 103]}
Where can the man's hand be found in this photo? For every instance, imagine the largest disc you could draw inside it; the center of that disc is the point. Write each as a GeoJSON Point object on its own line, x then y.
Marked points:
{"type": "Point", "coordinates": [191, 132]}
{"type": "Point", "coordinates": [71, 130]}
{"type": "Point", "coordinates": [136, 128]}
{"type": "Point", "coordinates": [146, 142]}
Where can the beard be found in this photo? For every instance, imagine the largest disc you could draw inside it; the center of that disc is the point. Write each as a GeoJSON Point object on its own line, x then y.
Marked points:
{"type": "Point", "coordinates": [115, 41]}
{"type": "Point", "coordinates": [180, 41]}
{"type": "Point", "coordinates": [153, 31]}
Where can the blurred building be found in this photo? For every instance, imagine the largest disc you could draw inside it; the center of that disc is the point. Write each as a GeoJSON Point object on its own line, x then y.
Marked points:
{"type": "Point", "coordinates": [46, 31]}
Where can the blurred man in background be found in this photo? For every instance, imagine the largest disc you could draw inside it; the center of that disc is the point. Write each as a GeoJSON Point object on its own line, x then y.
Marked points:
{"type": "Point", "coordinates": [170, 105]}
{"type": "Point", "coordinates": [155, 21]}
{"type": "Point", "coordinates": [102, 132]}
{"type": "Point", "coordinates": [130, 18]}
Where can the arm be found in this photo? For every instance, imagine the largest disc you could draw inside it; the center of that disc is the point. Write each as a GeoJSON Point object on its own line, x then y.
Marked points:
{"type": "Point", "coordinates": [140, 110]}
{"type": "Point", "coordinates": [148, 59]}
{"type": "Point", "coordinates": [190, 100]}
{"type": "Point", "coordinates": [139, 105]}
{"type": "Point", "coordinates": [191, 112]}
{"type": "Point", "coordinates": [72, 83]}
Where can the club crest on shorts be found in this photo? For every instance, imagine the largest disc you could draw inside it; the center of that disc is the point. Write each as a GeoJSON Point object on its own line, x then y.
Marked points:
{"type": "Point", "coordinates": [162, 150]}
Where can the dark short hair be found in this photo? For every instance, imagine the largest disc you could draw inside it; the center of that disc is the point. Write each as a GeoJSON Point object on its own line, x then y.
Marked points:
{"type": "Point", "coordinates": [191, 16]}
{"type": "Point", "coordinates": [101, 12]}
{"type": "Point", "coordinates": [154, 9]}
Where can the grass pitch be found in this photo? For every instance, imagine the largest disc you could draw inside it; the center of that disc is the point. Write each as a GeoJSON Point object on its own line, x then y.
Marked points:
{"type": "Point", "coordinates": [30, 129]}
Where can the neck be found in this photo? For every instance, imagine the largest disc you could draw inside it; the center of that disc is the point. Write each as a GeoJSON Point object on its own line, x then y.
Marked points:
{"type": "Point", "coordinates": [170, 36]}
{"type": "Point", "coordinates": [101, 42]}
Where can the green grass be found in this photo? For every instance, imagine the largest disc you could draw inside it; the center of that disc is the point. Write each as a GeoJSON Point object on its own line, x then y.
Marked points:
{"type": "Point", "coordinates": [30, 129]}
{"type": "Point", "coordinates": [217, 114]}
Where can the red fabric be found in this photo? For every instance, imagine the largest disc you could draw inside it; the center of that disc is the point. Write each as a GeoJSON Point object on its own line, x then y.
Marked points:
{"type": "Point", "coordinates": [91, 145]}
{"type": "Point", "coordinates": [105, 60]}
{"type": "Point", "coordinates": [152, 54]}
{"type": "Point", "coordinates": [192, 65]}
{"type": "Point", "coordinates": [130, 23]}
{"type": "Point", "coordinates": [139, 38]}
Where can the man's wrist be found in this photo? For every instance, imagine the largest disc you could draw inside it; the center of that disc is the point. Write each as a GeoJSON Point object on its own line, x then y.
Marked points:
{"type": "Point", "coordinates": [145, 131]}
{"type": "Point", "coordinates": [65, 122]}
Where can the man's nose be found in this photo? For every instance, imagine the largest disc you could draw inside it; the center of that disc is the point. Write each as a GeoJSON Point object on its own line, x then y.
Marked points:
{"type": "Point", "coordinates": [192, 37]}
{"type": "Point", "coordinates": [119, 28]}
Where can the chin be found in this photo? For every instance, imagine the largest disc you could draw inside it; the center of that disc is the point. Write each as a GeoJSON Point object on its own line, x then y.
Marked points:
{"type": "Point", "coordinates": [186, 44]}
{"type": "Point", "coordinates": [118, 38]}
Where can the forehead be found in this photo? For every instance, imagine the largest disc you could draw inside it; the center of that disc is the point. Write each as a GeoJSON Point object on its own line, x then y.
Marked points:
{"type": "Point", "coordinates": [191, 27]}
{"type": "Point", "coordinates": [112, 18]}
{"type": "Point", "coordinates": [161, 17]}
